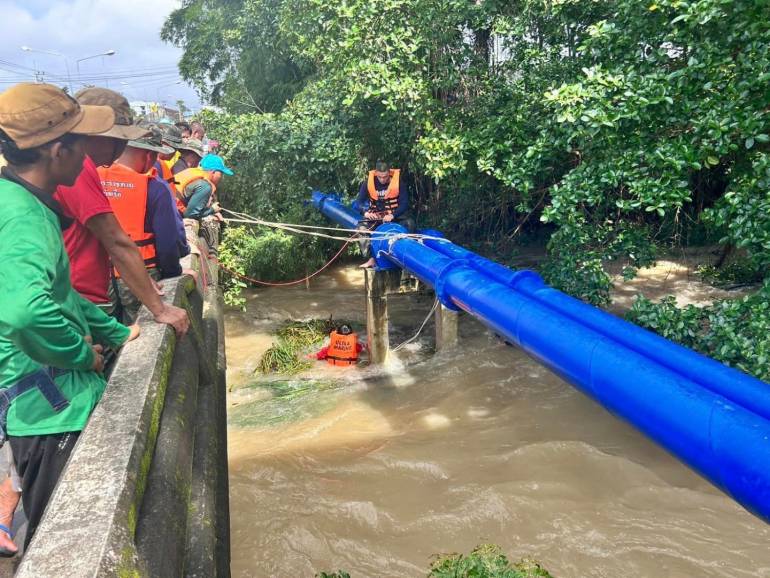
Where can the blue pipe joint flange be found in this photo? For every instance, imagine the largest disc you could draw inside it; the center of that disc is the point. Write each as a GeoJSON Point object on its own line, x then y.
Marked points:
{"type": "Point", "coordinates": [381, 239]}
{"type": "Point", "coordinates": [442, 293]}
{"type": "Point", "coordinates": [526, 277]}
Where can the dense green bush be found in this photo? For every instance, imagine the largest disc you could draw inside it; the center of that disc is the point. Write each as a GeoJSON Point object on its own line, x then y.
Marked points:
{"type": "Point", "coordinates": [266, 255]}
{"type": "Point", "coordinates": [734, 331]}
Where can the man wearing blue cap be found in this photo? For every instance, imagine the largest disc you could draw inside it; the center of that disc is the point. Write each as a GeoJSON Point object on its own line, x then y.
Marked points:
{"type": "Point", "coordinates": [197, 190]}
{"type": "Point", "coordinates": [198, 186]}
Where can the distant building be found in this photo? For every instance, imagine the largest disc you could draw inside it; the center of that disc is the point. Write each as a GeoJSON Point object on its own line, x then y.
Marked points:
{"type": "Point", "coordinates": [155, 111]}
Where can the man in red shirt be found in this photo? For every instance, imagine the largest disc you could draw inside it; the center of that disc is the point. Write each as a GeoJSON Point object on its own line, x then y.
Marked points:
{"type": "Point", "coordinates": [96, 237]}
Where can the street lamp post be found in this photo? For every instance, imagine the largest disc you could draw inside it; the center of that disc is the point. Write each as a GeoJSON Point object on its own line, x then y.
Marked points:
{"type": "Point", "coordinates": [107, 53]}
{"type": "Point", "coordinates": [53, 53]}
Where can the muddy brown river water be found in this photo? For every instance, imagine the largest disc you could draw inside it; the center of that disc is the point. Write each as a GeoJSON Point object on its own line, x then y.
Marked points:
{"type": "Point", "coordinates": [439, 453]}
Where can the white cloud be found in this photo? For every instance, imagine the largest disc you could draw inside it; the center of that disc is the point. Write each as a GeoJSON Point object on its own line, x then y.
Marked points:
{"type": "Point", "coordinates": [79, 28]}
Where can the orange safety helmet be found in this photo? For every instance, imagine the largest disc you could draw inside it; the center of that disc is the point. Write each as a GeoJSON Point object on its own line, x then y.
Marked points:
{"type": "Point", "coordinates": [343, 347]}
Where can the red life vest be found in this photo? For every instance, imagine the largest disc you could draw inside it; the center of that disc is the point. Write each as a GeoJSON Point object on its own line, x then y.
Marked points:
{"type": "Point", "coordinates": [127, 192]}
{"type": "Point", "coordinates": [385, 202]}
{"type": "Point", "coordinates": [343, 349]}
{"type": "Point", "coordinates": [185, 178]}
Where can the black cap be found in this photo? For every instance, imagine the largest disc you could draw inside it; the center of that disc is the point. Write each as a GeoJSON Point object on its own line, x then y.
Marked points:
{"type": "Point", "coordinates": [344, 330]}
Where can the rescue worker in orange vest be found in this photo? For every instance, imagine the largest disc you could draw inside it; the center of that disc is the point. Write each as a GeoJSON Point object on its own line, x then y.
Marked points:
{"type": "Point", "coordinates": [145, 210]}
{"type": "Point", "coordinates": [343, 347]}
{"type": "Point", "coordinates": [197, 197]}
{"type": "Point", "coordinates": [383, 198]}
{"type": "Point", "coordinates": [197, 187]}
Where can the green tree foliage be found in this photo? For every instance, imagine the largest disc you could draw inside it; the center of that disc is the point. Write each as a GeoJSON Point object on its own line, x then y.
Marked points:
{"type": "Point", "coordinates": [234, 54]}
{"type": "Point", "coordinates": [614, 127]}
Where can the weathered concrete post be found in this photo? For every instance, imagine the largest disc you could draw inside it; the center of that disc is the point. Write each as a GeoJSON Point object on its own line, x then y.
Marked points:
{"type": "Point", "coordinates": [446, 328]}
{"type": "Point", "coordinates": [377, 315]}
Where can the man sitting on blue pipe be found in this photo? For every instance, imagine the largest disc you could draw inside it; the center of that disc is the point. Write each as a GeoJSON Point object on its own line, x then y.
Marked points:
{"type": "Point", "coordinates": [382, 198]}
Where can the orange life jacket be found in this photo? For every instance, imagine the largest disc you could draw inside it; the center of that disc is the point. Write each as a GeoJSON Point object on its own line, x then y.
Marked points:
{"type": "Point", "coordinates": [343, 349]}
{"type": "Point", "coordinates": [386, 201]}
{"type": "Point", "coordinates": [185, 178]}
{"type": "Point", "coordinates": [166, 174]}
{"type": "Point", "coordinates": [127, 192]}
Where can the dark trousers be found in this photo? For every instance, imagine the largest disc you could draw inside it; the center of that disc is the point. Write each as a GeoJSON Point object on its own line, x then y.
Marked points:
{"type": "Point", "coordinates": [40, 460]}
{"type": "Point", "coordinates": [404, 220]}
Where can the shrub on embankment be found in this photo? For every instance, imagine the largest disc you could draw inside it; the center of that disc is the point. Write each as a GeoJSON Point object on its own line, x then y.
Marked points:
{"type": "Point", "coordinates": [612, 128]}
{"type": "Point", "coordinates": [734, 331]}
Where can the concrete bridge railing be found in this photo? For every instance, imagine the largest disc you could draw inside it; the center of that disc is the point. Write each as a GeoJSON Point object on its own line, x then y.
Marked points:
{"type": "Point", "coordinates": [145, 492]}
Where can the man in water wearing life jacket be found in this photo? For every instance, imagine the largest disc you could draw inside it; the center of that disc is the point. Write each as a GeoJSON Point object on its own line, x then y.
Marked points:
{"type": "Point", "coordinates": [51, 337]}
{"type": "Point", "coordinates": [383, 198]}
{"type": "Point", "coordinates": [145, 210]}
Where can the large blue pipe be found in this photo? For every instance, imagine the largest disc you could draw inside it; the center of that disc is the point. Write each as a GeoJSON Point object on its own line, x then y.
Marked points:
{"type": "Point", "coordinates": [726, 441]}
{"type": "Point", "coordinates": [743, 389]}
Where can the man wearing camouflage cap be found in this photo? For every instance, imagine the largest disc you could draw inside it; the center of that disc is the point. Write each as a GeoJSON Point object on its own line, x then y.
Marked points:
{"type": "Point", "coordinates": [96, 240]}
{"type": "Point", "coordinates": [172, 137]}
{"type": "Point", "coordinates": [191, 152]}
{"type": "Point", "coordinates": [145, 210]}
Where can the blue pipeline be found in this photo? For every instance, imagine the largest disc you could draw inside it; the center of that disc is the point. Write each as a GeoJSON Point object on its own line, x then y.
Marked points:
{"type": "Point", "coordinates": [724, 440]}
{"type": "Point", "coordinates": [332, 208]}
{"type": "Point", "coordinates": [736, 386]}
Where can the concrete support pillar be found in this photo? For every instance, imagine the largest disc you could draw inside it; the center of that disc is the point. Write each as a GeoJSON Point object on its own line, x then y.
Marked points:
{"type": "Point", "coordinates": [446, 328]}
{"type": "Point", "coordinates": [377, 283]}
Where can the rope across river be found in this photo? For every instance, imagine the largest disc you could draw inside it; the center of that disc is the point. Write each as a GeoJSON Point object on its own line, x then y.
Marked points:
{"type": "Point", "coordinates": [311, 230]}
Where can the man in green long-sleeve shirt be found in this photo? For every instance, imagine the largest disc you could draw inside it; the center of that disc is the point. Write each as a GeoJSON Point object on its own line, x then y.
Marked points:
{"type": "Point", "coordinates": [51, 338]}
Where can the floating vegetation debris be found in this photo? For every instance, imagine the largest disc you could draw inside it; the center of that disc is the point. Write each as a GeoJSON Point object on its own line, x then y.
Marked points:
{"type": "Point", "coordinates": [282, 358]}
{"type": "Point", "coordinates": [485, 561]}
{"type": "Point", "coordinates": [286, 356]}
{"type": "Point", "coordinates": [290, 400]}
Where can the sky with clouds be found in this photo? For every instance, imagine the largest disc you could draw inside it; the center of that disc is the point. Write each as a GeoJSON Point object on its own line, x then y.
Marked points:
{"type": "Point", "coordinates": [143, 67]}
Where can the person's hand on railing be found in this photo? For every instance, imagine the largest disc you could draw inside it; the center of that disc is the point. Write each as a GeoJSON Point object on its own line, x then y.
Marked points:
{"type": "Point", "coordinates": [176, 317]}
{"type": "Point", "coordinates": [192, 273]}
{"type": "Point", "coordinates": [135, 330]}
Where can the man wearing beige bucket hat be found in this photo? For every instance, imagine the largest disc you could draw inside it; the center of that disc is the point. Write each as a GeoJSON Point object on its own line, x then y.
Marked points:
{"type": "Point", "coordinates": [96, 238]}
{"type": "Point", "coordinates": [51, 338]}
